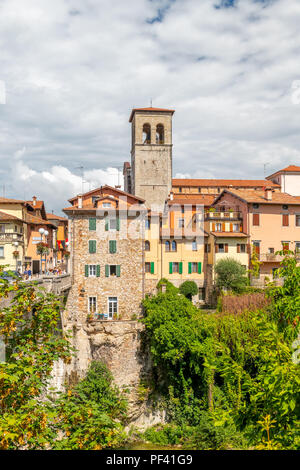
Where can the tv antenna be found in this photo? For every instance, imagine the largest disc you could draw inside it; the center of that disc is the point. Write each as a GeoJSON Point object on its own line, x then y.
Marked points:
{"type": "Point", "coordinates": [265, 167]}
{"type": "Point", "coordinates": [81, 168]}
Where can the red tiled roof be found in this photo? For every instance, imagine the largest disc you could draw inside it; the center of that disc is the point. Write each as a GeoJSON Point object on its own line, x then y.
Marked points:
{"type": "Point", "coordinates": [194, 199]}
{"type": "Point", "coordinates": [33, 219]}
{"type": "Point", "coordinates": [11, 201]}
{"type": "Point", "coordinates": [37, 205]}
{"type": "Point", "coordinates": [151, 110]}
{"type": "Point", "coordinates": [105, 187]}
{"type": "Point", "coordinates": [56, 217]}
{"type": "Point", "coordinates": [222, 183]}
{"type": "Point", "coordinates": [259, 197]}
{"type": "Point", "coordinates": [4, 217]}
{"type": "Point", "coordinates": [230, 234]}
{"type": "Point", "coordinates": [288, 169]}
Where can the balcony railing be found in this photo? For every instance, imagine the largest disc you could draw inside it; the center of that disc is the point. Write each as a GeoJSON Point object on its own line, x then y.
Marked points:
{"type": "Point", "coordinates": [223, 215]}
{"type": "Point", "coordinates": [11, 237]}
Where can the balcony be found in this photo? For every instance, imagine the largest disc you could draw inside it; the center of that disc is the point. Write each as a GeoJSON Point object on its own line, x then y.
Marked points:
{"type": "Point", "coordinates": [270, 258]}
{"type": "Point", "coordinates": [229, 215]}
{"type": "Point", "coordinates": [11, 237]}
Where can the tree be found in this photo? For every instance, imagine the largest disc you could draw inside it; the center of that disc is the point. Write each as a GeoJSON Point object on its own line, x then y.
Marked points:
{"type": "Point", "coordinates": [33, 342]}
{"type": "Point", "coordinates": [188, 289]}
{"type": "Point", "coordinates": [231, 275]}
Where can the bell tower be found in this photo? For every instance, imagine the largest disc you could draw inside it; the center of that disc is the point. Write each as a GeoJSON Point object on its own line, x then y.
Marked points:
{"type": "Point", "coordinates": [151, 154]}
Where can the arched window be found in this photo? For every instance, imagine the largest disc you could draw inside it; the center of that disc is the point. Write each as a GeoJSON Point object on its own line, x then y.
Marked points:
{"type": "Point", "coordinates": [167, 245]}
{"type": "Point", "coordinates": [147, 245]}
{"type": "Point", "coordinates": [160, 134]}
{"type": "Point", "coordinates": [146, 134]}
{"type": "Point", "coordinates": [174, 246]}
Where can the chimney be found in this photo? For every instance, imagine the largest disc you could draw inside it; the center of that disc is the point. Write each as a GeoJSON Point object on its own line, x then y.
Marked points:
{"type": "Point", "coordinates": [34, 200]}
{"type": "Point", "coordinates": [268, 194]}
{"type": "Point", "coordinates": [79, 201]}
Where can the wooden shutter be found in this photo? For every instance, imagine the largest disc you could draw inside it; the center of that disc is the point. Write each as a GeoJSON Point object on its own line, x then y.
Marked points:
{"type": "Point", "coordinates": [285, 220]}
{"type": "Point", "coordinates": [118, 270]}
{"type": "Point", "coordinates": [231, 227]}
{"type": "Point", "coordinates": [92, 224]}
{"type": "Point", "coordinates": [112, 246]}
{"type": "Point", "coordinates": [170, 268]}
{"type": "Point", "coordinates": [92, 246]}
{"type": "Point", "coordinates": [190, 268]}
{"type": "Point", "coordinates": [217, 248]}
{"type": "Point", "coordinates": [118, 224]}
{"type": "Point", "coordinates": [223, 227]}
{"type": "Point", "coordinates": [98, 270]}
{"type": "Point", "coordinates": [226, 247]}
{"type": "Point", "coordinates": [213, 227]}
{"type": "Point", "coordinates": [238, 248]}
{"type": "Point", "coordinates": [152, 268]}
{"type": "Point", "coordinates": [107, 270]}
{"type": "Point", "coordinates": [180, 268]}
{"type": "Point", "coordinates": [248, 248]}
{"type": "Point", "coordinates": [255, 219]}
{"type": "Point", "coordinates": [199, 268]}
{"type": "Point", "coordinates": [106, 225]}
{"type": "Point", "coordinates": [86, 269]}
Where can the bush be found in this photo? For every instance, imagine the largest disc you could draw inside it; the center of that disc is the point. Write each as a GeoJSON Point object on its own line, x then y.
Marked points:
{"type": "Point", "coordinates": [231, 275]}
{"type": "Point", "coordinates": [188, 289]}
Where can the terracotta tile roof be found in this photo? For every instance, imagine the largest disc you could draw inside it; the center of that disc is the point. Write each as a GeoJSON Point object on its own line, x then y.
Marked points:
{"type": "Point", "coordinates": [105, 187]}
{"type": "Point", "coordinates": [230, 234]}
{"type": "Point", "coordinates": [151, 110]}
{"type": "Point", "coordinates": [33, 219]}
{"type": "Point", "coordinates": [288, 169]}
{"type": "Point", "coordinates": [259, 197]}
{"type": "Point", "coordinates": [11, 201]}
{"type": "Point", "coordinates": [56, 217]}
{"type": "Point", "coordinates": [222, 183]}
{"type": "Point", "coordinates": [4, 217]}
{"type": "Point", "coordinates": [205, 199]}
{"type": "Point", "coordinates": [38, 204]}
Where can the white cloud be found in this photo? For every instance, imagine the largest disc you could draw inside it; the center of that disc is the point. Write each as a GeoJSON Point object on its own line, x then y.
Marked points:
{"type": "Point", "coordinates": [73, 69]}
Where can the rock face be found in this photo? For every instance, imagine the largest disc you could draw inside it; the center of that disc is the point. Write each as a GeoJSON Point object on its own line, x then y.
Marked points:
{"type": "Point", "coordinates": [120, 345]}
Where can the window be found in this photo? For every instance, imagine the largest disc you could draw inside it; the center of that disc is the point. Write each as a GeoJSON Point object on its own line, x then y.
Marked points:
{"type": "Point", "coordinates": [112, 270]}
{"type": "Point", "coordinates": [271, 251]}
{"type": "Point", "coordinates": [243, 248]}
{"type": "Point", "coordinates": [147, 224]}
{"type": "Point", "coordinates": [207, 248]}
{"type": "Point", "coordinates": [92, 304]}
{"type": "Point", "coordinates": [180, 190]}
{"type": "Point", "coordinates": [112, 306]}
{"type": "Point", "coordinates": [199, 190]}
{"type": "Point", "coordinates": [256, 247]}
{"type": "Point", "coordinates": [180, 223]}
{"type": "Point", "coordinates": [175, 268]}
{"type": "Point", "coordinates": [160, 134]}
{"type": "Point", "coordinates": [92, 246]}
{"type": "Point", "coordinates": [285, 246]}
{"type": "Point", "coordinates": [106, 204]}
{"type": "Point", "coordinates": [146, 134]}
{"type": "Point", "coordinates": [1, 251]}
{"type": "Point", "coordinates": [112, 246]}
{"type": "Point", "coordinates": [285, 207]}
{"type": "Point", "coordinates": [92, 224]}
{"type": "Point", "coordinates": [16, 229]}
{"type": "Point", "coordinates": [92, 270]}
{"type": "Point", "coordinates": [2, 228]}
{"type": "Point", "coordinates": [194, 245]}
{"type": "Point", "coordinates": [149, 268]}
{"type": "Point", "coordinates": [236, 227]}
{"type": "Point", "coordinates": [285, 220]}
{"type": "Point", "coordinates": [297, 220]}
{"type": "Point", "coordinates": [255, 219]}
{"type": "Point", "coordinates": [167, 246]}
{"type": "Point", "coordinates": [195, 268]}
{"type": "Point", "coordinates": [297, 247]}
{"type": "Point", "coordinates": [218, 227]}
{"type": "Point", "coordinates": [174, 245]}
{"type": "Point", "coordinates": [147, 245]}
{"type": "Point", "coordinates": [255, 206]}
{"type": "Point", "coordinates": [221, 248]}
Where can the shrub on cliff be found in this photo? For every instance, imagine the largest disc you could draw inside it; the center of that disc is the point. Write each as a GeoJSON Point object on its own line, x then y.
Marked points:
{"type": "Point", "coordinates": [188, 289]}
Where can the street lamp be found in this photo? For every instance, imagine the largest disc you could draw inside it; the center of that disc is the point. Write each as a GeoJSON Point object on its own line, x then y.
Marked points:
{"type": "Point", "coordinates": [42, 231]}
{"type": "Point", "coordinates": [16, 244]}
{"type": "Point", "coordinates": [46, 233]}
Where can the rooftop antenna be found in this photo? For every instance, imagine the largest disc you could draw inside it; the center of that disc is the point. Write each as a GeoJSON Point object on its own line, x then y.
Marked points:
{"type": "Point", "coordinates": [81, 168]}
{"type": "Point", "coordinates": [150, 102]}
{"type": "Point", "coordinates": [4, 190]}
{"type": "Point", "coordinates": [265, 167]}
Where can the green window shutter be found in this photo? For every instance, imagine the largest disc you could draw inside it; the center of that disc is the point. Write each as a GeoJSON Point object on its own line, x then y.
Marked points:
{"type": "Point", "coordinates": [152, 268]}
{"type": "Point", "coordinates": [118, 270]}
{"type": "Point", "coordinates": [111, 246]}
{"type": "Point", "coordinates": [190, 268]}
{"type": "Point", "coordinates": [199, 268]}
{"type": "Point", "coordinates": [106, 270]}
{"type": "Point", "coordinates": [180, 268]}
{"type": "Point", "coordinates": [170, 268]}
{"type": "Point", "coordinates": [86, 270]}
{"type": "Point", "coordinates": [98, 270]}
{"type": "Point", "coordinates": [92, 246]}
{"type": "Point", "coordinates": [92, 224]}
{"type": "Point", "coordinates": [106, 225]}
{"type": "Point", "coordinates": [118, 224]}
{"type": "Point", "coordinates": [115, 246]}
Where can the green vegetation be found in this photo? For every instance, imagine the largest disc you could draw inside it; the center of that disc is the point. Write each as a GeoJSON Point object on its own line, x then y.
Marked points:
{"type": "Point", "coordinates": [188, 289]}
{"type": "Point", "coordinates": [228, 376]}
{"type": "Point", "coordinates": [231, 275]}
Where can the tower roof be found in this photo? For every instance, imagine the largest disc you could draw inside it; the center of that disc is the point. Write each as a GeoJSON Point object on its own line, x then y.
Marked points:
{"type": "Point", "coordinates": [150, 110]}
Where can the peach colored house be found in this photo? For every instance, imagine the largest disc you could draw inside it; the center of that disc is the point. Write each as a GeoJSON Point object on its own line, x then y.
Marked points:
{"type": "Point", "coordinates": [270, 219]}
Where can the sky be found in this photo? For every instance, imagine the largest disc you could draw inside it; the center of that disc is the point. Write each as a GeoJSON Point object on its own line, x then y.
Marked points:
{"type": "Point", "coordinates": [72, 70]}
